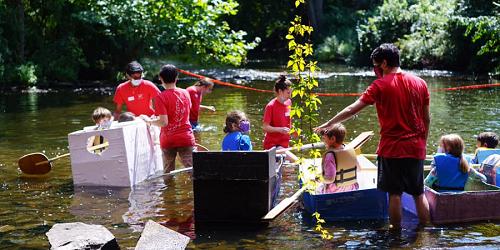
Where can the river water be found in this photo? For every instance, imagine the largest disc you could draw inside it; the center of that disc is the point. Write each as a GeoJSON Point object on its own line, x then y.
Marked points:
{"type": "Point", "coordinates": [39, 121]}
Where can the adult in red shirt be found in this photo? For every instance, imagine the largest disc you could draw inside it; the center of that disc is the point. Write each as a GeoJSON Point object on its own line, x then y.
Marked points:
{"type": "Point", "coordinates": [136, 93]}
{"type": "Point", "coordinates": [277, 122]}
{"type": "Point", "coordinates": [196, 92]}
{"type": "Point", "coordinates": [402, 103]}
{"type": "Point", "coordinates": [172, 109]}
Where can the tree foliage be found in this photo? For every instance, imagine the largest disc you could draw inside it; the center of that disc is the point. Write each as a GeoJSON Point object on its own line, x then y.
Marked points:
{"type": "Point", "coordinates": [77, 39]}
{"type": "Point", "coordinates": [459, 34]}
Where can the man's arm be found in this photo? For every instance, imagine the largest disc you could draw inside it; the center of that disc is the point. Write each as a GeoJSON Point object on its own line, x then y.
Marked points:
{"type": "Point", "coordinates": [210, 108]}
{"type": "Point", "coordinates": [161, 121]}
{"type": "Point", "coordinates": [343, 115]}
{"type": "Point", "coordinates": [427, 119]}
{"type": "Point", "coordinates": [118, 111]}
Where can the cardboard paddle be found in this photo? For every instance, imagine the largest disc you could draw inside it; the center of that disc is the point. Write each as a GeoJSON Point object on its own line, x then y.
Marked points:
{"type": "Point", "coordinates": [39, 163]}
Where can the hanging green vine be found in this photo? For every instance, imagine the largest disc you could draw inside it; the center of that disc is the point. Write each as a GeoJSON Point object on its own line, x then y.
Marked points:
{"type": "Point", "coordinates": [304, 112]}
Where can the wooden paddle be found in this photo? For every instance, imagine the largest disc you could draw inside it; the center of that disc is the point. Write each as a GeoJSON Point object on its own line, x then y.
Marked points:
{"type": "Point", "coordinates": [38, 163]}
{"type": "Point", "coordinates": [283, 205]}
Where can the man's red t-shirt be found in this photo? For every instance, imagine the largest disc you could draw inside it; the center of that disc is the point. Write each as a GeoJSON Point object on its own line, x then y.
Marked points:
{"type": "Point", "coordinates": [277, 114]}
{"type": "Point", "coordinates": [137, 99]}
{"type": "Point", "coordinates": [175, 103]}
{"type": "Point", "coordinates": [195, 101]}
{"type": "Point", "coordinates": [400, 100]}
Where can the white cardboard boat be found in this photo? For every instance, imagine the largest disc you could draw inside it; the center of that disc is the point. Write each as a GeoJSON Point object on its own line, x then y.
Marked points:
{"type": "Point", "coordinates": [131, 157]}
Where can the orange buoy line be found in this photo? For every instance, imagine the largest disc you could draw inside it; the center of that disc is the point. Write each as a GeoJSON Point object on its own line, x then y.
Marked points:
{"type": "Point", "coordinates": [224, 83]}
{"type": "Point", "coordinates": [478, 86]}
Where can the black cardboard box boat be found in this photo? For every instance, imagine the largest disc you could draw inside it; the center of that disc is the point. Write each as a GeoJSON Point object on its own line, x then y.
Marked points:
{"type": "Point", "coordinates": [233, 186]}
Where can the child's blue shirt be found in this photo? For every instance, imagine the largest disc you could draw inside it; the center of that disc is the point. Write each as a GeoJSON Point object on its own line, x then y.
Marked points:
{"type": "Point", "coordinates": [236, 141]}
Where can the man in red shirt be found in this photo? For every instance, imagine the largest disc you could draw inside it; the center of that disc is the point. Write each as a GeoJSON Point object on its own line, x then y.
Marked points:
{"type": "Point", "coordinates": [402, 103]}
{"type": "Point", "coordinates": [196, 92]}
{"type": "Point", "coordinates": [172, 108]}
{"type": "Point", "coordinates": [136, 93]}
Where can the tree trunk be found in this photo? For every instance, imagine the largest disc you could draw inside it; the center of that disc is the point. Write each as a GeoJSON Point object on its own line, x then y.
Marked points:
{"type": "Point", "coordinates": [17, 8]}
{"type": "Point", "coordinates": [315, 13]}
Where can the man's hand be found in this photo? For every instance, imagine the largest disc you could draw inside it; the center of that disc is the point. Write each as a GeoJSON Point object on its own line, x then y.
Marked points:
{"type": "Point", "coordinates": [211, 108]}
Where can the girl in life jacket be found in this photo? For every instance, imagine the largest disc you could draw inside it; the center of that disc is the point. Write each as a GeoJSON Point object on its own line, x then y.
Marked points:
{"type": "Point", "coordinates": [339, 163]}
{"type": "Point", "coordinates": [450, 170]}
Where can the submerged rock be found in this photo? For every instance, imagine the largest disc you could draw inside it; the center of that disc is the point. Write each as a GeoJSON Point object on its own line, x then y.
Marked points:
{"type": "Point", "coordinates": [156, 236]}
{"type": "Point", "coordinates": [78, 235]}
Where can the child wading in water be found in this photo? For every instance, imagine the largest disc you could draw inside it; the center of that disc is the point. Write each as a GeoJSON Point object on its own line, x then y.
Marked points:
{"type": "Point", "coordinates": [339, 163]}
{"type": "Point", "coordinates": [237, 125]}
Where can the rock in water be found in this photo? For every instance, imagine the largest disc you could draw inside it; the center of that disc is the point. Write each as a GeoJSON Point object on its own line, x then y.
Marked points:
{"type": "Point", "coordinates": [78, 235]}
{"type": "Point", "coordinates": [156, 236]}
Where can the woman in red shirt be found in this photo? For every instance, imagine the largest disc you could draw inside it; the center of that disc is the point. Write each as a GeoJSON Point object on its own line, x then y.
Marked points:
{"type": "Point", "coordinates": [277, 122]}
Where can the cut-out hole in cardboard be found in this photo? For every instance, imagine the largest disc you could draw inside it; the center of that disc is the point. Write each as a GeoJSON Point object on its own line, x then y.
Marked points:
{"type": "Point", "coordinates": [97, 144]}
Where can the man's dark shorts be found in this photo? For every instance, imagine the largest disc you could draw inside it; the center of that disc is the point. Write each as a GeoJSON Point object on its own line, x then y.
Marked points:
{"type": "Point", "coordinates": [398, 175]}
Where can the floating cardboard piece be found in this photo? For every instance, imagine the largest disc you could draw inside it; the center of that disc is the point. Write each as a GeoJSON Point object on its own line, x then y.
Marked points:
{"type": "Point", "coordinates": [156, 236]}
{"type": "Point", "coordinates": [133, 155]}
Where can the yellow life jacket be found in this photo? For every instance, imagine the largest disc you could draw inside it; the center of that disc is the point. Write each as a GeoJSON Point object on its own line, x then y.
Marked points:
{"type": "Point", "coordinates": [346, 162]}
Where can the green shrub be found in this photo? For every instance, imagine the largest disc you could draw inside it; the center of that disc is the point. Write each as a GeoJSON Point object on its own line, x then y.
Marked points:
{"type": "Point", "coordinates": [26, 74]}
{"type": "Point", "coordinates": [331, 49]}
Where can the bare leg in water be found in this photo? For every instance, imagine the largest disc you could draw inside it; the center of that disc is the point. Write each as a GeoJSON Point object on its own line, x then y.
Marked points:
{"type": "Point", "coordinates": [395, 211]}
{"type": "Point", "coordinates": [422, 209]}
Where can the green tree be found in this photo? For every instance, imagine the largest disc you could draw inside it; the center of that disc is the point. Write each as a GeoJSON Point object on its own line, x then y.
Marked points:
{"type": "Point", "coordinates": [68, 40]}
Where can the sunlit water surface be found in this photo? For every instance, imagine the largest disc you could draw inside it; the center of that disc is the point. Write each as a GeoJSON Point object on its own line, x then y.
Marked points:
{"type": "Point", "coordinates": [40, 121]}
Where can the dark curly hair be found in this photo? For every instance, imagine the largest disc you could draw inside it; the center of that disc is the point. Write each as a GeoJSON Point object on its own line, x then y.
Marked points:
{"type": "Point", "coordinates": [388, 52]}
{"type": "Point", "coordinates": [282, 83]}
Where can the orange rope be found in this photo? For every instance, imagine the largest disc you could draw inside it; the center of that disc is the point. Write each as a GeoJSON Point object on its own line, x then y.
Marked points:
{"type": "Point", "coordinates": [224, 83]}
{"type": "Point", "coordinates": [479, 86]}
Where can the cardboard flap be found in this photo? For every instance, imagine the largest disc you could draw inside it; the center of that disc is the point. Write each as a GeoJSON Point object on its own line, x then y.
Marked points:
{"type": "Point", "coordinates": [360, 139]}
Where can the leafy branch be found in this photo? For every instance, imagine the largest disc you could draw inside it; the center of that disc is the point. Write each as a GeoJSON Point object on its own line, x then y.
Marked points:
{"type": "Point", "coordinates": [304, 112]}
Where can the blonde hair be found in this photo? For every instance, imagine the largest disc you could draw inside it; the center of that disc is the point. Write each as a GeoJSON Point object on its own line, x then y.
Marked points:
{"type": "Point", "coordinates": [100, 113]}
{"type": "Point", "coordinates": [454, 144]}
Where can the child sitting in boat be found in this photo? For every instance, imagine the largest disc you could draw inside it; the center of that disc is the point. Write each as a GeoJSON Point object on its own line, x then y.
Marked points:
{"type": "Point", "coordinates": [450, 170]}
{"type": "Point", "coordinates": [339, 163]}
{"type": "Point", "coordinates": [102, 118]}
{"type": "Point", "coordinates": [486, 146]}
{"type": "Point", "coordinates": [236, 129]}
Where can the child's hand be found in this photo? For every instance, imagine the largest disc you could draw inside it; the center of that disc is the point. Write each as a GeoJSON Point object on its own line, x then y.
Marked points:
{"type": "Point", "coordinates": [284, 130]}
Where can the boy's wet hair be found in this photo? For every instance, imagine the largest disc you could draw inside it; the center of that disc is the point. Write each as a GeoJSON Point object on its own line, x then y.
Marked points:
{"type": "Point", "coordinates": [337, 130]}
{"type": "Point", "coordinates": [100, 113]}
{"type": "Point", "coordinates": [488, 138]}
{"type": "Point", "coordinates": [168, 73]}
{"type": "Point", "coordinates": [282, 83]}
{"type": "Point", "coordinates": [126, 117]}
{"type": "Point", "coordinates": [388, 52]}
{"type": "Point", "coordinates": [231, 118]}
